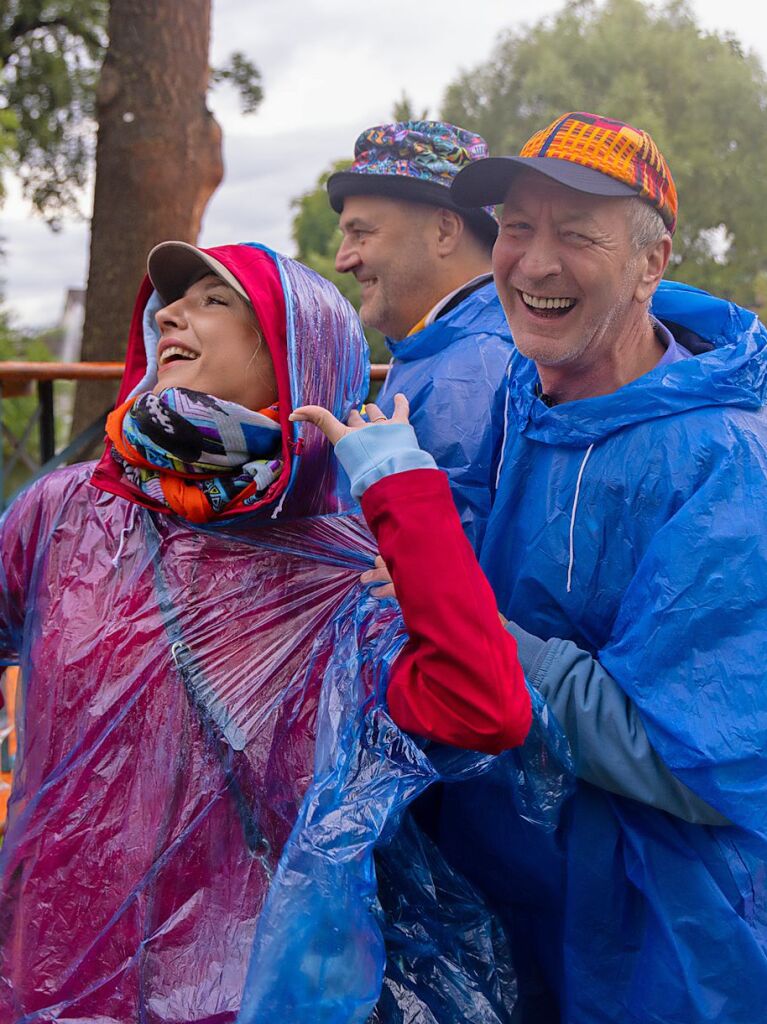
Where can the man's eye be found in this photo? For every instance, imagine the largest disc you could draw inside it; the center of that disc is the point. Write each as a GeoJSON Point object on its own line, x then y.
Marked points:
{"type": "Point", "coordinates": [516, 226]}
{"type": "Point", "coordinates": [576, 238]}
{"type": "Point", "coordinates": [214, 300]}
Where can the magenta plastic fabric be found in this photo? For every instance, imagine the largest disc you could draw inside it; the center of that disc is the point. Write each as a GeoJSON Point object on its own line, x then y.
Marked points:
{"type": "Point", "coordinates": [170, 686]}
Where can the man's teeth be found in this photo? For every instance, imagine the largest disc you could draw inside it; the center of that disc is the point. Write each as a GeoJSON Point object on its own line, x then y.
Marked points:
{"type": "Point", "coordinates": [544, 302]}
{"type": "Point", "coordinates": [176, 350]}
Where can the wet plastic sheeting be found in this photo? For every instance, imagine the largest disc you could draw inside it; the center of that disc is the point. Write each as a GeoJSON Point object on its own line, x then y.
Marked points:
{"type": "Point", "coordinates": [167, 741]}
{"type": "Point", "coordinates": [320, 955]}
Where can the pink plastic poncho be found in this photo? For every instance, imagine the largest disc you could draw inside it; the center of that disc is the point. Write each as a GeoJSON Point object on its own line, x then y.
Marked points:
{"type": "Point", "coordinates": [170, 685]}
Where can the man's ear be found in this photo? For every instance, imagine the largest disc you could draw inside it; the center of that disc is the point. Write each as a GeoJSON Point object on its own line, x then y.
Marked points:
{"type": "Point", "coordinates": [449, 231]}
{"type": "Point", "coordinates": [653, 262]}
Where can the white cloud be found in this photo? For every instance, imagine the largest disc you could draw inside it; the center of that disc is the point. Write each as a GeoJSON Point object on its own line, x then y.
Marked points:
{"type": "Point", "coordinates": [39, 265]}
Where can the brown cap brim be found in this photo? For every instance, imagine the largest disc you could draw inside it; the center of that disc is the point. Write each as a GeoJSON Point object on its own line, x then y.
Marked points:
{"type": "Point", "coordinates": [174, 266]}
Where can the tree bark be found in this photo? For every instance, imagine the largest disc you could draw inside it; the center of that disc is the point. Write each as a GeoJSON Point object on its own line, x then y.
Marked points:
{"type": "Point", "coordinates": [158, 162]}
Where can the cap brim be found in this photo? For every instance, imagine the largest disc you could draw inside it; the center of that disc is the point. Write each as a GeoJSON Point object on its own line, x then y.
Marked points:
{"type": "Point", "coordinates": [487, 182]}
{"type": "Point", "coordinates": [174, 266]}
{"type": "Point", "coordinates": [343, 184]}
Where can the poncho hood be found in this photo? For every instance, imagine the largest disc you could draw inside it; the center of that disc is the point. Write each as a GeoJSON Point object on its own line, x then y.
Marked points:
{"type": "Point", "coordinates": [729, 370]}
{"type": "Point", "coordinates": [328, 367]}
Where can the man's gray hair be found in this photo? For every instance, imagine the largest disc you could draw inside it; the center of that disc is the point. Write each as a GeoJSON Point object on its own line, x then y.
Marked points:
{"type": "Point", "coordinates": [645, 224]}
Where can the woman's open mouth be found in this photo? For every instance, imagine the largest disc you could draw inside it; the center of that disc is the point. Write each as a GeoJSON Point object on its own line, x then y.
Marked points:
{"type": "Point", "coordinates": [173, 353]}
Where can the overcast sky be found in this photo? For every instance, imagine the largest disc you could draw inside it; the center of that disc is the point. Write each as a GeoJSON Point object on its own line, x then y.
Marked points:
{"type": "Point", "coordinates": [330, 68]}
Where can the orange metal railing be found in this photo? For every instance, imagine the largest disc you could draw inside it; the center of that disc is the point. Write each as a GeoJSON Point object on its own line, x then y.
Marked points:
{"type": "Point", "coordinates": [7, 741]}
{"type": "Point", "coordinates": [18, 372]}
{"type": "Point", "coordinates": [16, 380]}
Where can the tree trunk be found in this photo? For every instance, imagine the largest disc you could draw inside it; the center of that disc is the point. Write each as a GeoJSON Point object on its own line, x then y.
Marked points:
{"type": "Point", "coordinates": [158, 162]}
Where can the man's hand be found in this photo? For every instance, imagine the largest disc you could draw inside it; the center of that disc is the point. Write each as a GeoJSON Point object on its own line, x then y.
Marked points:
{"type": "Point", "coordinates": [380, 574]}
{"type": "Point", "coordinates": [334, 429]}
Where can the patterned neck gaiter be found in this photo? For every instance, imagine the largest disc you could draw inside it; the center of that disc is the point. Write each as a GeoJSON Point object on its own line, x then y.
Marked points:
{"type": "Point", "coordinates": [194, 453]}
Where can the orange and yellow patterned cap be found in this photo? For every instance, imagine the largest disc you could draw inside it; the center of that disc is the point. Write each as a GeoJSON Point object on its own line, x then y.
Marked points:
{"type": "Point", "coordinates": [587, 152]}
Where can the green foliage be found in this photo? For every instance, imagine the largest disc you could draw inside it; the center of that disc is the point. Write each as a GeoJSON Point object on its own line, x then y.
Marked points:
{"type": "Point", "coordinates": [16, 411]}
{"type": "Point", "coordinates": [698, 94]}
{"type": "Point", "coordinates": [243, 74]}
{"type": "Point", "coordinates": [403, 110]}
{"type": "Point", "coordinates": [8, 125]}
{"type": "Point", "coordinates": [317, 237]}
{"type": "Point", "coordinates": [50, 51]}
{"type": "Point", "coordinates": [315, 225]}
{"type": "Point", "coordinates": [50, 56]}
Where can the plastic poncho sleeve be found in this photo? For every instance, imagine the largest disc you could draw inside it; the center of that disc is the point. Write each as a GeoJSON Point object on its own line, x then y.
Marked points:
{"type": "Point", "coordinates": [458, 679]}
{"type": "Point", "coordinates": [689, 641]}
{"type": "Point", "coordinates": [609, 742]}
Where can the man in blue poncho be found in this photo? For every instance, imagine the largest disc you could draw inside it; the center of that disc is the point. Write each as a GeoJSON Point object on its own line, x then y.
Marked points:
{"type": "Point", "coordinates": [626, 547]}
{"type": "Point", "coordinates": [424, 268]}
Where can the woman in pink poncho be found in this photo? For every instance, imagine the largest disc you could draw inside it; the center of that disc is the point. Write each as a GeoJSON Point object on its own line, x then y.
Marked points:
{"type": "Point", "coordinates": [170, 611]}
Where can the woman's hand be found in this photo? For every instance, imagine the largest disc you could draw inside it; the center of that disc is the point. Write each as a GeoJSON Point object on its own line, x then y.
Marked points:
{"type": "Point", "coordinates": [334, 429]}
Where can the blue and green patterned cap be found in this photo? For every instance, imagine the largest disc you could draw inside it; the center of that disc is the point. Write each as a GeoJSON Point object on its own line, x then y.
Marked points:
{"type": "Point", "coordinates": [417, 161]}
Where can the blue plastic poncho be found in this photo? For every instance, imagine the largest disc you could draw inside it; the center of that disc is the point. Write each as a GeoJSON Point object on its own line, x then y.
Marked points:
{"type": "Point", "coordinates": [631, 524]}
{"type": "Point", "coordinates": [453, 374]}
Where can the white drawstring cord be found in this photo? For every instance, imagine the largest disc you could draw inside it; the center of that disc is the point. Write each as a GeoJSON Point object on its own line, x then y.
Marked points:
{"type": "Point", "coordinates": [123, 535]}
{"type": "Point", "coordinates": [572, 518]}
{"type": "Point", "coordinates": [280, 503]}
{"type": "Point", "coordinates": [505, 427]}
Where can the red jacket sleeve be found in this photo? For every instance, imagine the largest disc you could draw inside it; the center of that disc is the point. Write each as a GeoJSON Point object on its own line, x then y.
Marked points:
{"type": "Point", "coordinates": [458, 679]}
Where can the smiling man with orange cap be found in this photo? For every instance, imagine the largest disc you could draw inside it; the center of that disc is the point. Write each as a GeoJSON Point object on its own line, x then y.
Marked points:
{"type": "Point", "coordinates": [625, 548]}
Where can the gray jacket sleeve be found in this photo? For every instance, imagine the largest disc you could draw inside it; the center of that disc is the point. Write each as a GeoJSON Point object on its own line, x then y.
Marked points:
{"type": "Point", "coordinates": [608, 740]}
